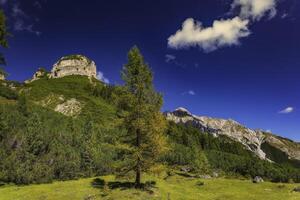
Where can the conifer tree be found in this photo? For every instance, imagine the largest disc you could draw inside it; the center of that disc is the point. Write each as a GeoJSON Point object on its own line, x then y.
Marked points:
{"type": "Point", "coordinates": [3, 40]}
{"type": "Point", "coordinates": [145, 124]}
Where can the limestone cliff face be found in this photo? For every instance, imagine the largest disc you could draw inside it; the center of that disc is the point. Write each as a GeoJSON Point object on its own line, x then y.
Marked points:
{"type": "Point", "coordinates": [251, 139]}
{"type": "Point", "coordinates": [74, 65]}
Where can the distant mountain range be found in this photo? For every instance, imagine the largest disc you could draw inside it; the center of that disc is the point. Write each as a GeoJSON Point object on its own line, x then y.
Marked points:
{"type": "Point", "coordinates": [265, 145]}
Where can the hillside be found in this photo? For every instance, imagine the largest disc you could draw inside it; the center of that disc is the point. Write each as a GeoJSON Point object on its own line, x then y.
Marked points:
{"type": "Point", "coordinates": [72, 127]}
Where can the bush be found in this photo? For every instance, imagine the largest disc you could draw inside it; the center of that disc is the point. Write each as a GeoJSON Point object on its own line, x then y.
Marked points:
{"type": "Point", "coordinates": [200, 183]}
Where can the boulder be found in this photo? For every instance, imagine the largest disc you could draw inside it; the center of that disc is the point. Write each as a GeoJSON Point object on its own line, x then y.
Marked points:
{"type": "Point", "coordinates": [185, 169]}
{"type": "Point", "coordinates": [297, 189]}
{"type": "Point", "coordinates": [258, 179]}
{"type": "Point", "coordinates": [206, 176]}
{"type": "Point", "coordinates": [215, 174]}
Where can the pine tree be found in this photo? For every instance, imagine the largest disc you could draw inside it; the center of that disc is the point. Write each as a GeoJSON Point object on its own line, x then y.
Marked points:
{"type": "Point", "coordinates": [3, 36]}
{"type": "Point", "coordinates": [145, 124]}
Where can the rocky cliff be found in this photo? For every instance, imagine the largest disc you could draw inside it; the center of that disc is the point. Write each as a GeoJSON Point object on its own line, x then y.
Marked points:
{"type": "Point", "coordinates": [251, 139]}
{"type": "Point", "coordinates": [40, 73]}
{"type": "Point", "coordinates": [74, 65]}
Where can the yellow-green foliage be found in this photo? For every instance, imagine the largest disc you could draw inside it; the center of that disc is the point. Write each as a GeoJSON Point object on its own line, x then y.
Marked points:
{"type": "Point", "coordinates": [173, 188]}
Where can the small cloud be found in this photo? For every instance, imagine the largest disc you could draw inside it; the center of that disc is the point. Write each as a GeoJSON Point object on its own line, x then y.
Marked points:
{"type": "Point", "coordinates": [190, 92]}
{"type": "Point", "coordinates": [222, 33]}
{"type": "Point", "coordinates": [268, 131]}
{"type": "Point", "coordinates": [100, 76]}
{"type": "Point", "coordinates": [284, 15]}
{"type": "Point", "coordinates": [287, 110]}
{"type": "Point", "coordinates": [169, 58]}
{"type": "Point", "coordinates": [255, 9]}
{"type": "Point", "coordinates": [172, 60]}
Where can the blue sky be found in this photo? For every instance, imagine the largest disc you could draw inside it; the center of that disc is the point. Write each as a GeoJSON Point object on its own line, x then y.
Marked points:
{"type": "Point", "coordinates": [236, 59]}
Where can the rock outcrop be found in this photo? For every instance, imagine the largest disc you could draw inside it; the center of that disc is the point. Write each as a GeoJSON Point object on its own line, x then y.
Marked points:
{"type": "Point", "coordinates": [74, 65]}
{"type": "Point", "coordinates": [251, 139]}
{"type": "Point", "coordinates": [70, 108]}
{"type": "Point", "coordinates": [41, 72]}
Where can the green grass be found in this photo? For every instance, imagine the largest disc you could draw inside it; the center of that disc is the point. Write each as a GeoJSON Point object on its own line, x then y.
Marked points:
{"type": "Point", "coordinates": [78, 87]}
{"type": "Point", "coordinates": [174, 188]}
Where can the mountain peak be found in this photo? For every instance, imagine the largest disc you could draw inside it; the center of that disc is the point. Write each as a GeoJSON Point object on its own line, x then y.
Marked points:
{"type": "Point", "coordinates": [182, 111]}
{"type": "Point", "coordinates": [251, 139]}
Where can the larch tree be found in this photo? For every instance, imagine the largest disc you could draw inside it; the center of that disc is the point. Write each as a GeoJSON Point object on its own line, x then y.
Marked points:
{"type": "Point", "coordinates": [145, 124]}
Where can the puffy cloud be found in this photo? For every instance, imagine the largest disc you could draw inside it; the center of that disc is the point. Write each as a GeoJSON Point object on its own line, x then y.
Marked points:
{"type": "Point", "coordinates": [221, 33]}
{"type": "Point", "coordinates": [100, 76]}
{"type": "Point", "coordinates": [287, 110]}
{"type": "Point", "coordinates": [255, 9]}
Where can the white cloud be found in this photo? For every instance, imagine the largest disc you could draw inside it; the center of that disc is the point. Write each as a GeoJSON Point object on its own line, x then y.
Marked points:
{"type": "Point", "coordinates": [169, 58]}
{"type": "Point", "coordinates": [191, 92]}
{"type": "Point", "coordinates": [287, 110]}
{"type": "Point", "coordinates": [255, 9]}
{"type": "Point", "coordinates": [100, 76]}
{"type": "Point", "coordinates": [221, 33]}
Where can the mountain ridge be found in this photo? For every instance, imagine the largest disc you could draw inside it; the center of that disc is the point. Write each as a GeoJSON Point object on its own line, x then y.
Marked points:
{"type": "Point", "coordinates": [252, 139]}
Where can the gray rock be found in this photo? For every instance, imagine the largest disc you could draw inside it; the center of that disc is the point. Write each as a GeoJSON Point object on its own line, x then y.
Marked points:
{"type": "Point", "coordinates": [74, 65]}
{"type": "Point", "coordinates": [215, 174]}
{"type": "Point", "coordinates": [185, 169]}
{"type": "Point", "coordinates": [37, 75]}
{"type": "Point", "coordinates": [70, 108]}
{"type": "Point", "coordinates": [206, 176]}
{"type": "Point", "coordinates": [258, 179]}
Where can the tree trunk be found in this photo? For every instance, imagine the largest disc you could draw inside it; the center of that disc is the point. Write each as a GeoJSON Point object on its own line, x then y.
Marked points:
{"type": "Point", "coordinates": [138, 164]}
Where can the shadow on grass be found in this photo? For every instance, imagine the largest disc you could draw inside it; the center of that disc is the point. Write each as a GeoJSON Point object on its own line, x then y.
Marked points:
{"type": "Point", "coordinates": [101, 184]}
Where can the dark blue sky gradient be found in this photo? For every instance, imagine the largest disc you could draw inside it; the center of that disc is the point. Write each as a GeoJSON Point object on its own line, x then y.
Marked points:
{"type": "Point", "coordinates": [250, 83]}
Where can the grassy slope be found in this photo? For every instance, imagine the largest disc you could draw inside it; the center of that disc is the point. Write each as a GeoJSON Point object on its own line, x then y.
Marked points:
{"type": "Point", "coordinates": [177, 188]}
{"type": "Point", "coordinates": [78, 87]}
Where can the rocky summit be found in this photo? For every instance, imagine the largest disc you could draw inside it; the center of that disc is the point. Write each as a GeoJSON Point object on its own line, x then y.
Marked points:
{"type": "Point", "coordinates": [74, 65]}
{"type": "Point", "coordinates": [256, 141]}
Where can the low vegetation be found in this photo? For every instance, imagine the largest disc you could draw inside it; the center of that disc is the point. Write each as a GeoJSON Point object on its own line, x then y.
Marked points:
{"type": "Point", "coordinates": [173, 188]}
